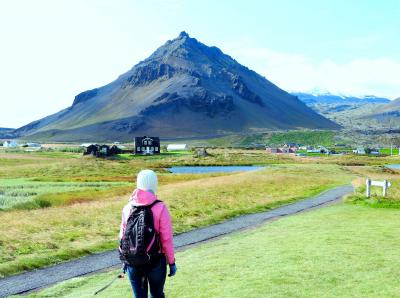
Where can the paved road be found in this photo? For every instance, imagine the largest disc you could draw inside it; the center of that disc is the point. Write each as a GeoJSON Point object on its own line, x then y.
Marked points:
{"type": "Point", "coordinates": [44, 277]}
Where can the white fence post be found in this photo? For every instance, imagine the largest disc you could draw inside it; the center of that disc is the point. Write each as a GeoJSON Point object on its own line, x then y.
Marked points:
{"type": "Point", "coordinates": [368, 182]}
{"type": "Point", "coordinates": [385, 187]}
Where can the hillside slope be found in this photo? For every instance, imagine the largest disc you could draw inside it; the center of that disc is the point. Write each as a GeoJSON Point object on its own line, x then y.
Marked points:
{"type": "Point", "coordinates": [184, 89]}
{"type": "Point", "coordinates": [388, 115]}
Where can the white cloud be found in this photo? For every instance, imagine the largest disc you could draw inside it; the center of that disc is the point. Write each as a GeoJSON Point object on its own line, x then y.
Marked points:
{"type": "Point", "coordinates": [359, 76]}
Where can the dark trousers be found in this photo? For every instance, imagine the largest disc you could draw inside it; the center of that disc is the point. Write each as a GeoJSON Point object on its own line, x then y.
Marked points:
{"type": "Point", "coordinates": [153, 275]}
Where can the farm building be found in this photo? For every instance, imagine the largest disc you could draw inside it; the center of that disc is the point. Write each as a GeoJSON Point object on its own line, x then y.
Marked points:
{"type": "Point", "coordinates": [177, 147]}
{"type": "Point", "coordinates": [147, 145]}
{"type": "Point", "coordinates": [10, 144]}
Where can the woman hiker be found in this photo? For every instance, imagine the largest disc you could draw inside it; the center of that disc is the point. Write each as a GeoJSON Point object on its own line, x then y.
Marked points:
{"type": "Point", "coordinates": [146, 241]}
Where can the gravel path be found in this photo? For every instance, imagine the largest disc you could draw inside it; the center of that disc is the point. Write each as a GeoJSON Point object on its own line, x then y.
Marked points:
{"type": "Point", "coordinates": [29, 281]}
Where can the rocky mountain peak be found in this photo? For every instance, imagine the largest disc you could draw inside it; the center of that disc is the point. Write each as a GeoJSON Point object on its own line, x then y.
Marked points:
{"type": "Point", "coordinates": [183, 81]}
{"type": "Point", "coordinates": [183, 34]}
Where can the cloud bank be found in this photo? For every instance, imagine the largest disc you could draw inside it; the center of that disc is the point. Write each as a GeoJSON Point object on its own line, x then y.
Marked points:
{"type": "Point", "coordinates": [294, 72]}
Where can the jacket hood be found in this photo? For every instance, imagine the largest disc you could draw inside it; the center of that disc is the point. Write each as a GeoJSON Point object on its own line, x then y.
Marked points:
{"type": "Point", "coordinates": [141, 197]}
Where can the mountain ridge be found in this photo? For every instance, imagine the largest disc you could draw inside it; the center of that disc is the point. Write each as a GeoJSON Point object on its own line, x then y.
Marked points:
{"type": "Point", "coordinates": [183, 81]}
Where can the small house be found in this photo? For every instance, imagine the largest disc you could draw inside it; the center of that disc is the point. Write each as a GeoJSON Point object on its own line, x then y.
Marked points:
{"type": "Point", "coordinates": [359, 151]}
{"type": "Point", "coordinates": [323, 150]}
{"type": "Point", "coordinates": [374, 152]}
{"type": "Point", "coordinates": [272, 150]}
{"type": "Point", "coordinates": [147, 145]}
{"type": "Point", "coordinates": [280, 150]}
{"type": "Point", "coordinates": [114, 149]}
{"type": "Point", "coordinates": [292, 145]}
{"type": "Point", "coordinates": [104, 150]}
{"type": "Point", "coordinates": [177, 147]}
{"type": "Point", "coordinates": [11, 143]}
{"type": "Point", "coordinates": [90, 149]}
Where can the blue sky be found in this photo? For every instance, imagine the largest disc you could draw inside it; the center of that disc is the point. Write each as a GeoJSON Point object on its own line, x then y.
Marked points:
{"type": "Point", "coordinates": [52, 50]}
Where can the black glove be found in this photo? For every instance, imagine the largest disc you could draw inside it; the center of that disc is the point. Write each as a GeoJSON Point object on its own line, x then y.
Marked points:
{"type": "Point", "coordinates": [172, 269]}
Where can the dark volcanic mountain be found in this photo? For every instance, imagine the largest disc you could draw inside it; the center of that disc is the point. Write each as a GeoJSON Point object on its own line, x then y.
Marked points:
{"type": "Point", "coordinates": [184, 89]}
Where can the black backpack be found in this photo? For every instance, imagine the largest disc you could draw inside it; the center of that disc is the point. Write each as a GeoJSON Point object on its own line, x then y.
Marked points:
{"type": "Point", "coordinates": [140, 243]}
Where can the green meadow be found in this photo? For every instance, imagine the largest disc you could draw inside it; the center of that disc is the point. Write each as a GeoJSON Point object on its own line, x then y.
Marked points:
{"type": "Point", "coordinates": [37, 187]}
{"type": "Point", "coordinates": [30, 194]}
{"type": "Point", "coordinates": [339, 251]}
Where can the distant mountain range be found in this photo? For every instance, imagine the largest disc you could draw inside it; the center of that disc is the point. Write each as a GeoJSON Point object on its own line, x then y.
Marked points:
{"type": "Point", "coordinates": [3, 129]}
{"type": "Point", "coordinates": [184, 89]}
{"type": "Point", "coordinates": [361, 113]}
{"type": "Point", "coordinates": [328, 98]}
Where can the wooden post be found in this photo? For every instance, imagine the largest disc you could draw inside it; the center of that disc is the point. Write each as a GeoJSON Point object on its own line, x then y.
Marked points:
{"type": "Point", "coordinates": [368, 182]}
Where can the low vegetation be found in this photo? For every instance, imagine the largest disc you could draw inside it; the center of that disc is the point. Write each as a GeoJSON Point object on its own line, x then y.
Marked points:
{"type": "Point", "coordinates": [376, 200]}
{"type": "Point", "coordinates": [89, 194]}
{"type": "Point", "coordinates": [339, 251]}
{"type": "Point", "coordinates": [31, 194]}
{"type": "Point", "coordinates": [309, 137]}
{"type": "Point", "coordinates": [313, 138]}
{"type": "Point", "coordinates": [88, 226]}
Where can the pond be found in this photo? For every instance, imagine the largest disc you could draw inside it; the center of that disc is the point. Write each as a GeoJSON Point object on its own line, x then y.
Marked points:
{"type": "Point", "coordinates": [212, 169]}
{"type": "Point", "coordinates": [393, 166]}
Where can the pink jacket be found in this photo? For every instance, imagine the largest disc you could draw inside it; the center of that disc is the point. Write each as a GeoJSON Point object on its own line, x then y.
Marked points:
{"type": "Point", "coordinates": [162, 220]}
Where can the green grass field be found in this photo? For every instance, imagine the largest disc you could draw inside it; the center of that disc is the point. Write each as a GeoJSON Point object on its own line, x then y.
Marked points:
{"type": "Point", "coordinates": [339, 251]}
{"type": "Point", "coordinates": [31, 194]}
{"type": "Point", "coordinates": [313, 138]}
{"type": "Point", "coordinates": [203, 201]}
{"type": "Point", "coordinates": [388, 151]}
{"type": "Point", "coordinates": [90, 193]}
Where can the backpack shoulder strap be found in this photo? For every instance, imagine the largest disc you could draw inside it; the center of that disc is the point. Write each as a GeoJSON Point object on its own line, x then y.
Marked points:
{"type": "Point", "coordinates": [155, 202]}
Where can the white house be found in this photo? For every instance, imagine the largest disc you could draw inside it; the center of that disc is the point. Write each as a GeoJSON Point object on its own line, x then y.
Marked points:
{"type": "Point", "coordinates": [359, 151]}
{"type": "Point", "coordinates": [177, 147]}
{"type": "Point", "coordinates": [10, 144]}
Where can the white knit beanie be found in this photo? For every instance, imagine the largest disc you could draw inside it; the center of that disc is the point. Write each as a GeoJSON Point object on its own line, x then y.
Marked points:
{"type": "Point", "coordinates": [147, 180]}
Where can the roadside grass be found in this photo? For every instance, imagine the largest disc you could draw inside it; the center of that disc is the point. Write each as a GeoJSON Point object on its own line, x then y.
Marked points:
{"type": "Point", "coordinates": [56, 234]}
{"type": "Point", "coordinates": [339, 251]}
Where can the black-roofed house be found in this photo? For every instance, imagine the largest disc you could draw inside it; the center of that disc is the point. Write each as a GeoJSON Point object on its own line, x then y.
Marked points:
{"type": "Point", "coordinates": [147, 145]}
